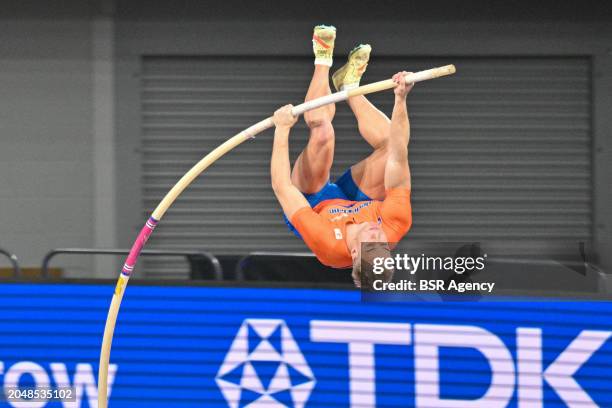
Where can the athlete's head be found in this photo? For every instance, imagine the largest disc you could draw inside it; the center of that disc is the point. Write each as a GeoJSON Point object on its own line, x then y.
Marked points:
{"type": "Point", "coordinates": [370, 242]}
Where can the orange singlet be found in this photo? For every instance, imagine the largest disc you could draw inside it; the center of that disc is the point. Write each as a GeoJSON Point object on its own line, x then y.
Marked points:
{"type": "Point", "coordinates": [323, 227]}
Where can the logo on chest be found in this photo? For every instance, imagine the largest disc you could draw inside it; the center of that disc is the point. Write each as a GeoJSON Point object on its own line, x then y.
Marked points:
{"type": "Point", "coordinates": [349, 210]}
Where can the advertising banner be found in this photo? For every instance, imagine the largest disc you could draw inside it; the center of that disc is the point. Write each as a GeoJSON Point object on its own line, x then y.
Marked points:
{"type": "Point", "coordinates": [236, 347]}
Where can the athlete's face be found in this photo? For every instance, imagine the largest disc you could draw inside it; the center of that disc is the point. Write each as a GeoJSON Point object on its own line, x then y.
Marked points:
{"type": "Point", "coordinates": [371, 232]}
{"type": "Point", "coordinates": [368, 232]}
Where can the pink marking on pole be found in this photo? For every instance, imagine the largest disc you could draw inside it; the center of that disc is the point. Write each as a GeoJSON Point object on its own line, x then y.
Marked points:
{"type": "Point", "coordinates": [140, 242]}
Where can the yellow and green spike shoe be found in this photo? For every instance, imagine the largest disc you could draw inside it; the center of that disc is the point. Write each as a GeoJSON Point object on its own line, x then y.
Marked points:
{"type": "Point", "coordinates": [323, 39]}
{"type": "Point", "coordinates": [349, 75]}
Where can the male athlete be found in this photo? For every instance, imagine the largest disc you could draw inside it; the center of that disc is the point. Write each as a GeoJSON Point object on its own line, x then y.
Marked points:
{"type": "Point", "coordinates": [370, 202]}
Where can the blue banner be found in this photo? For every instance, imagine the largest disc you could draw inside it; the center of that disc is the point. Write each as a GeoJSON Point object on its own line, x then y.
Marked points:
{"type": "Point", "coordinates": [239, 347]}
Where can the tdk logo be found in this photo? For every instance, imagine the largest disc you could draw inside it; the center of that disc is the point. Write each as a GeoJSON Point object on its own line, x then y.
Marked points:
{"type": "Point", "coordinates": [265, 364]}
{"type": "Point", "coordinates": [83, 382]}
{"type": "Point", "coordinates": [264, 367]}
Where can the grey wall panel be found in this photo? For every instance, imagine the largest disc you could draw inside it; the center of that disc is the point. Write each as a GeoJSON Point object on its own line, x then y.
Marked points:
{"type": "Point", "coordinates": [501, 151]}
{"type": "Point", "coordinates": [46, 197]}
{"type": "Point", "coordinates": [602, 158]}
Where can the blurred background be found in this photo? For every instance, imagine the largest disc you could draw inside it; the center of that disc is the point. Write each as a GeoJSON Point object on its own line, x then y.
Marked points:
{"type": "Point", "coordinates": [105, 104]}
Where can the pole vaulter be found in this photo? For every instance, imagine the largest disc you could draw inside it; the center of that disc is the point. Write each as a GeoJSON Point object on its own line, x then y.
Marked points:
{"type": "Point", "coordinates": [194, 172]}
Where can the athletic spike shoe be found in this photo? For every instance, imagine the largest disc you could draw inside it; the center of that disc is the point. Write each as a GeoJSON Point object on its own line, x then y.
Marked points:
{"type": "Point", "coordinates": [349, 75]}
{"type": "Point", "coordinates": [323, 39]}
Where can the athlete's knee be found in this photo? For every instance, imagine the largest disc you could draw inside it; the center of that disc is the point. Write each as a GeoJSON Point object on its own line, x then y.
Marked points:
{"type": "Point", "coordinates": [318, 117]}
{"type": "Point", "coordinates": [322, 134]}
{"type": "Point", "coordinates": [381, 141]}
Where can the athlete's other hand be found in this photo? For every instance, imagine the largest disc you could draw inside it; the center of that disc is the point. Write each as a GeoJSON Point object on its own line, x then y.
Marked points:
{"type": "Point", "coordinates": [283, 117]}
{"type": "Point", "coordinates": [402, 89]}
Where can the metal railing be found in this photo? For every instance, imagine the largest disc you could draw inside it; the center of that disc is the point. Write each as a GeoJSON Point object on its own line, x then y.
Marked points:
{"type": "Point", "coordinates": [239, 272]}
{"type": "Point", "coordinates": [194, 258]}
{"type": "Point", "coordinates": [14, 261]}
{"type": "Point", "coordinates": [287, 267]}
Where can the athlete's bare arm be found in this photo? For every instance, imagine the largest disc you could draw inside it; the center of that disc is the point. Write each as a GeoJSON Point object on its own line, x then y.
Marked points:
{"type": "Point", "coordinates": [289, 197]}
{"type": "Point", "coordinates": [397, 171]}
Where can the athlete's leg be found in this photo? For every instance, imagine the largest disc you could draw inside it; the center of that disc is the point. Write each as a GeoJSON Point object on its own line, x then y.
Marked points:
{"type": "Point", "coordinates": [374, 125]}
{"type": "Point", "coordinates": [311, 170]}
{"type": "Point", "coordinates": [369, 174]}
